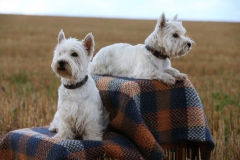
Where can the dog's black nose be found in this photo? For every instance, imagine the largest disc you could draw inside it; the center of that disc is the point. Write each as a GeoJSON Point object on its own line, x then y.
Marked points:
{"type": "Point", "coordinates": [61, 63]}
{"type": "Point", "coordinates": [189, 44]}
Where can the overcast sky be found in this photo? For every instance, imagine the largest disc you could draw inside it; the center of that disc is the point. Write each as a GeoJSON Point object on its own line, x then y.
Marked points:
{"type": "Point", "coordinates": [197, 10]}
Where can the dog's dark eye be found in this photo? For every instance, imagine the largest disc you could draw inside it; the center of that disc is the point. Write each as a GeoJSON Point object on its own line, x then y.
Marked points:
{"type": "Point", "coordinates": [175, 35]}
{"type": "Point", "coordinates": [74, 54]}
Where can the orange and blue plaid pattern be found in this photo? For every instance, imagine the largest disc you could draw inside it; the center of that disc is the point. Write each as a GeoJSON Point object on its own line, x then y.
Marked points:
{"type": "Point", "coordinates": [143, 115]}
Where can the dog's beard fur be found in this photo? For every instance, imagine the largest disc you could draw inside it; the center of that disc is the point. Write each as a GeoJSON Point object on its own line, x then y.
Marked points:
{"type": "Point", "coordinates": [65, 72]}
{"type": "Point", "coordinates": [178, 52]}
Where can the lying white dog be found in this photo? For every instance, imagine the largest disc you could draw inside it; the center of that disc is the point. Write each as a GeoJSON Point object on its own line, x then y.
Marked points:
{"type": "Point", "coordinates": [146, 61]}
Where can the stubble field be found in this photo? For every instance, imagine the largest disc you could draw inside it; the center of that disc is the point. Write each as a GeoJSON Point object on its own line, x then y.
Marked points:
{"type": "Point", "coordinates": [28, 86]}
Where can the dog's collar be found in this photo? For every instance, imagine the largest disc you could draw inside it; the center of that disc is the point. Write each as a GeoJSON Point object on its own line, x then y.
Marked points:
{"type": "Point", "coordinates": [156, 53]}
{"type": "Point", "coordinates": [76, 85]}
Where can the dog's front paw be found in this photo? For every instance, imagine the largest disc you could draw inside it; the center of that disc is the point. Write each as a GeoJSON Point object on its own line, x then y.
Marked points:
{"type": "Point", "coordinates": [64, 135]}
{"type": "Point", "coordinates": [181, 77]}
{"type": "Point", "coordinates": [53, 129]}
{"type": "Point", "coordinates": [93, 137]}
{"type": "Point", "coordinates": [61, 136]}
{"type": "Point", "coordinates": [58, 136]}
{"type": "Point", "coordinates": [169, 80]}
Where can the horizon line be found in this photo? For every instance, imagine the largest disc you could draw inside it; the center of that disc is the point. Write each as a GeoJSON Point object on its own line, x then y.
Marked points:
{"type": "Point", "coordinates": [117, 17]}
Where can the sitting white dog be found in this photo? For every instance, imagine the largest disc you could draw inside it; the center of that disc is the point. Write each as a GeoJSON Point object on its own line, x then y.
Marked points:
{"type": "Point", "coordinates": [146, 61]}
{"type": "Point", "coordinates": [80, 111]}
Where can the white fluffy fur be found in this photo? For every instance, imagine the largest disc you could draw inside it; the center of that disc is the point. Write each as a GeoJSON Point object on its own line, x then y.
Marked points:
{"type": "Point", "coordinates": [80, 111]}
{"type": "Point", "coordinates": [125, 60]}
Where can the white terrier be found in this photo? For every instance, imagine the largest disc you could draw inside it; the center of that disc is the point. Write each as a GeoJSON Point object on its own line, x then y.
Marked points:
{"type": "Point", "coordinates": [146, 61]}
{"type": "Point", "coordinates": [80, 111]}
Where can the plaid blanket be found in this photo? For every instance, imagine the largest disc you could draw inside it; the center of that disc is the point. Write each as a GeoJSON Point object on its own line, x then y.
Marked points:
{"type": "Point", "coordinates": [144, 114]}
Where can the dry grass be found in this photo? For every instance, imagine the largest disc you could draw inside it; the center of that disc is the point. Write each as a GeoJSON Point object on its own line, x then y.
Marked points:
{"type": "Point", "coordinates": [28, 87]}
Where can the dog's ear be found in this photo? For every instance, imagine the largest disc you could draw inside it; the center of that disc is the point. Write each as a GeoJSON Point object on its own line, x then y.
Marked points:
{"type": "Point", "coordinates": [162, 21]}
{"type": "Point", "coordinates": [61, 36]}
{"type": "Point", "coordinates": [174, 18]}
{"type": "Point", "coordinates": [88, 43]}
